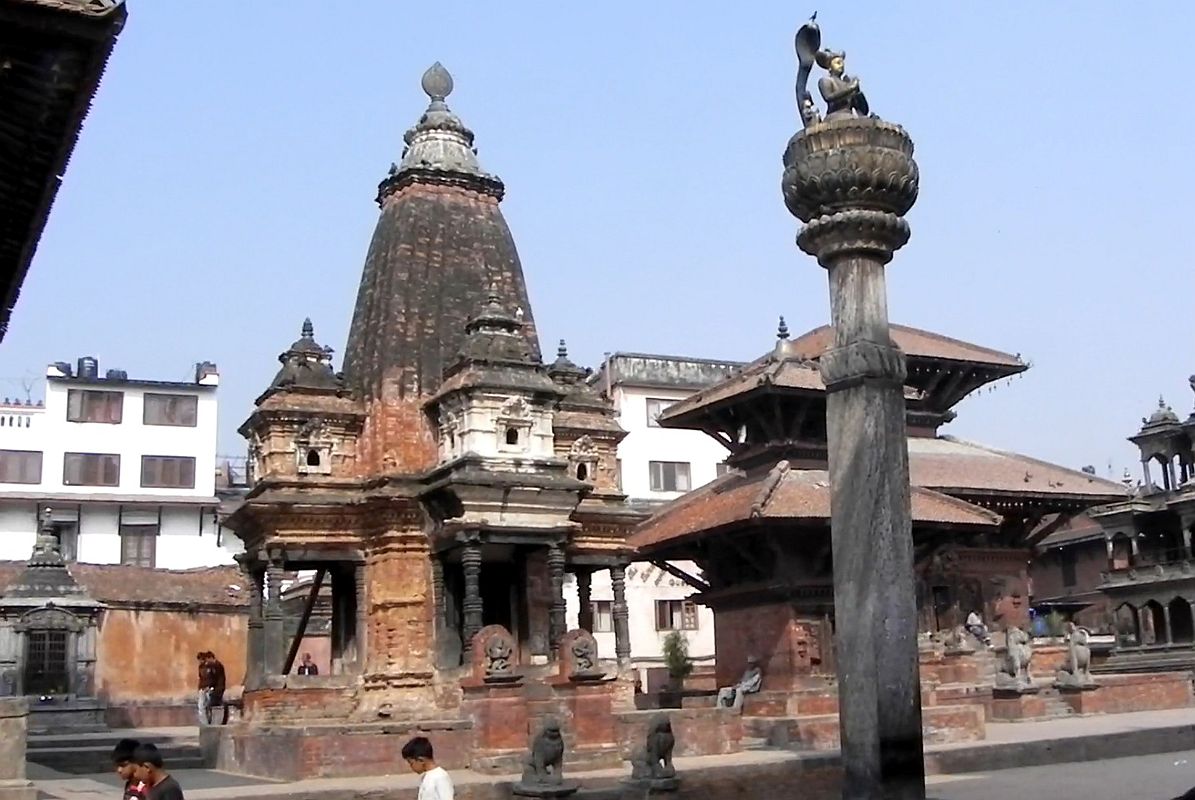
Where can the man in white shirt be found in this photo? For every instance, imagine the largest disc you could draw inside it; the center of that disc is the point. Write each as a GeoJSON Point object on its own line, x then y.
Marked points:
{"type": "Point", "coordinates": [436, 783]}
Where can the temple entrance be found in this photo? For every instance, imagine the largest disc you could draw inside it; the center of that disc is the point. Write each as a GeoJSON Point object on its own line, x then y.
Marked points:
{"type": "Point", "coordinates": [1182, 626]}
{"type": "Point", "coordinates": [500, 595]}
{"type": "Point", "coordinates": [943, 608]}
{"type": "Point", "coordinates": [1128, 633]}
{"type": "Point", "coordinates": [46, 670]}
{"type": "Point", "coordinates": [1153, 623]}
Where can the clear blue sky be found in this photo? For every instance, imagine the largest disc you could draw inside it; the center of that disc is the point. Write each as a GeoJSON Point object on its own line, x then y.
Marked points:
{"type": "Point", "coordinates": [223, 188]}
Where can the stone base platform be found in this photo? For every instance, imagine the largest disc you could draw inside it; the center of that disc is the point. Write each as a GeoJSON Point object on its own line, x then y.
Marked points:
{"type": "Point", "coordinates": [1112, 694]}
{"type": "Point", "coordinates": [941, 725]}
{"type": "Point", "coordinates": [323, 750]}
{"type": "Point", "coordinates": [60, 716]}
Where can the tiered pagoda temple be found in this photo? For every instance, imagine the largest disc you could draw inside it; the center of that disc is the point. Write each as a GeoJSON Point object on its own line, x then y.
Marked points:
{"type": "Point", "coordinates": [761, 533]}
{"type": "Point", "coordinates": [442, 485]}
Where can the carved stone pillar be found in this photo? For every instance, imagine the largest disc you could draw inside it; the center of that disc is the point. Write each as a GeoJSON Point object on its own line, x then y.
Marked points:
{"type": "Point", "coordinates": [361, 629]}
{"type": "Point", "coordinates": [622, 628]}
{"type": "Point", "coordinates": [1186, 542]}
{"type": "Point", "coordinates": [851, 178]}
{"type": "Point", "coordinates": [585, 605]}
{"type": "Point", "coordinates": [556, 612]}
{"type": "Point", "coordinates": [1166, 624]}
{"type": "Point", "coordinates": [255, 646]}
{"type": "Point", "coordinates": [438, 602]}
{"type": "Point", "coordinates": [275, 631]}
{"type": "Point", "coordinates": [471, 566]}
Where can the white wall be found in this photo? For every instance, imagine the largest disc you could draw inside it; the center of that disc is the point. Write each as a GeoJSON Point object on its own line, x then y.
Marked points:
{"type": "Point", "coordinates": [645, 585]}
{"type": "Point", "coordinates": [186, 538]}
{"type": "Point", "coordinates": [188, 534]}
{"type": "Point", "coordinates": [130, 439]}
{"type": "Point", "coordinates": [644, 444]}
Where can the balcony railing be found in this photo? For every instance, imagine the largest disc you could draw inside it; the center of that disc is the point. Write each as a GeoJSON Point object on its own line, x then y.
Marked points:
{"type": "Point", "coordinates": [1148, 570]}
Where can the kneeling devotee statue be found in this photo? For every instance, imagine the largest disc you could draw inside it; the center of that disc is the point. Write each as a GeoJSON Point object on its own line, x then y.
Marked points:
{"type": "Point", "coordinates": [750, 683]}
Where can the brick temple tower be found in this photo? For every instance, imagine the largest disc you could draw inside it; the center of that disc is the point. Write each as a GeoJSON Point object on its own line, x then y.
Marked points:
{"type": "Point", "coordinates": [446, 482]}
{"type": "Point", "coordinates": [440, 244]}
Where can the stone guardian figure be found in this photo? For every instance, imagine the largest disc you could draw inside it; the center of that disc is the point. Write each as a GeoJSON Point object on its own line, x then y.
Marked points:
{"type": "Point", "coordinates": [1014, 667]}
{"type": "Point", "coordinates": [1076, 672]}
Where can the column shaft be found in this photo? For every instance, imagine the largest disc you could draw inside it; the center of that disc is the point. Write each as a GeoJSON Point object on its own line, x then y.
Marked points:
{"type": "Point", "coordinates": [622, 629]}
{"type": "Point", "coordinates": [584, 603]}
{"type": "Point", "coordinates": [471, 565]}
{"type": "Point", "coordinates": [556, 613]}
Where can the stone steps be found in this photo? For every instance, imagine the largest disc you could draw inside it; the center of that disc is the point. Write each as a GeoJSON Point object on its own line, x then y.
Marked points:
{"type": "Point", "coordinates": [89, 754]}
{"type": "Point", "coordinates": [1056, 707]}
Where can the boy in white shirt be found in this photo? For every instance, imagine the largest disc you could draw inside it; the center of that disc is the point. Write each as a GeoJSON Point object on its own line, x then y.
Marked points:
{"type": "Point", "coordinates": [436, 783]}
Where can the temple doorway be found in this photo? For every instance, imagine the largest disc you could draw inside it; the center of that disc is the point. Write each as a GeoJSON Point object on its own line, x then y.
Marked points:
{"type": "Point", "coordinates": [1182, 626]}
{"type": "Point", "coordinates": [500, 595]}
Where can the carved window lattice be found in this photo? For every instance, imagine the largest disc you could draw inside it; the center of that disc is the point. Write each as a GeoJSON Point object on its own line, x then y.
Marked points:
{"type": "Point", "coordinates": [46, 669]}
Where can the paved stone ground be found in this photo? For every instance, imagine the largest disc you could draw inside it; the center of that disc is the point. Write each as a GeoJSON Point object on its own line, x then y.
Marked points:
{"type": "Point", "coordinates": [1146, 777]}
{"type": "Point", "coordinates": [1160, 777]}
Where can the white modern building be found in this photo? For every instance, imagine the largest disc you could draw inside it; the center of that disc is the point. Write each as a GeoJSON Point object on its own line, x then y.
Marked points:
{"type": "Point", "coordinates": [657, 465]}
{"type": "Point", "coordinates": [126, 467]}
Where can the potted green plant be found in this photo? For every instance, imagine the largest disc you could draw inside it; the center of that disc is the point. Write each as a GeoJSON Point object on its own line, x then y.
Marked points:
{"type": "Point", "coordinates": [676, 660]}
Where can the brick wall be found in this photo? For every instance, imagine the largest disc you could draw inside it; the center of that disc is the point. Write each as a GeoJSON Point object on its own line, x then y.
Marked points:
{"type": "Point", "coordinates": [148, 657]}
{"type": "Point", "coordinates": [1122, 693]}
{"type": "Point", "coordinates": [787, 646]}
{"type": "Point", "coordinates": [287, 705]}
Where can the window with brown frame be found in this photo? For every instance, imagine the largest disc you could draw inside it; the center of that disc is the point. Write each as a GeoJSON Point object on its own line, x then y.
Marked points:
{"type": "Point", "coordinates": [91, 469]}
{"type": "Point", "coordinates": [676, 615]}
{"type": "Point", "coordinates": [180, 410]}
{"type": "Point", "coordinates": [138, 545]}
{"type": "Point", "coordinates": [92, 405]}
{"type": "Point", "coordinates": [603, 616]}
{"type": "Point", "coordinates": [168, 472]}
{"type": "Point", "coordinates": [20, 466]}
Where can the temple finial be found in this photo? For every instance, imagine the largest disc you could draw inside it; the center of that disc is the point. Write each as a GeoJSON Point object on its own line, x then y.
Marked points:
{"type": "Point", "coordinates": [308, 329]}
{"type": "Point", "coordinates": [782, 329]}
{"type": "Point", "coordinates": [1161, 402]}
{"type": "Point", "coordinates": [562, 351]}
{"type": "Point", "coordinates": [492, 297]}
{"type": "Point", "coordinates": [437, 83]}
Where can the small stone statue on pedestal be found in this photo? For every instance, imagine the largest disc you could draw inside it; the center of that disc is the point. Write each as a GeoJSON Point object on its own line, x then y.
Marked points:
{"type": "Point", "coordinates": [543, 768]}
{"type": "Point", "coordinates": [651, 767]}
{"type": "Point", "coordinates": [1076, 672]}
{"type": "Point", "coordinates": [579, 657]}
{"type": "Point", "coordinates": [1013, 674]}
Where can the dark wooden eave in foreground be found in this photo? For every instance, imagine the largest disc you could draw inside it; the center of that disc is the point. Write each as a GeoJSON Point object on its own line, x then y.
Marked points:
{"type": "Point", "coordinates": [52, 55]}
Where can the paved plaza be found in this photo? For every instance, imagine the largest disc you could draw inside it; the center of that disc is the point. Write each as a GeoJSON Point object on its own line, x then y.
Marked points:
{"type": "Point", "coordinates": [1051, 744]}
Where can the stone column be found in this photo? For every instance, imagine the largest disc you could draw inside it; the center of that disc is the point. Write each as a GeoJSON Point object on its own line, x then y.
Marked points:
{"type": "Point", "coordinates": [1145, 472]}
{"type": "Point", "coordinates": [557, 623]}
{"type": "Point", "coordinates": [584, 604]}
{"type": "Point", "coordinates": [1111, 553]}
{"type": "Point", "coordinates": [13, 730]}
{"type": "Point", "coordinates": [361, 629]}
{"type": "Point", "coordinates": [622, 628]}
{"type": "Point", "coordinates": [439, 606]}
{"type": "Point", "coordinates": [1166, 623]}
{"type": "Point", "coordinates": [1186, 542]}
{"type": "Point", "coordinates": [471, 565]}
{"type": "Point", "coordinates": [255, 646]}
{"type": "Point", "coordinates": [851, 179]}
{"type": "Point", "coordinates": [275, 629]}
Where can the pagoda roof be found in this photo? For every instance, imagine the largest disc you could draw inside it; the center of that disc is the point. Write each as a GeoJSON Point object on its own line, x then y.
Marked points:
{"type": "Point", "coordinates": [916, 343]}
{"type": "Point", "coordinates": [55, 52]}
{"type": "Point", "coordinates": [965, 469]}
{"type": "Point", "coordinates": [783, 495]}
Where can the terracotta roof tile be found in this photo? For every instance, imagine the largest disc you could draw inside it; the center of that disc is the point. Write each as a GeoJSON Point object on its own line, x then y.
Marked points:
{"type": "Point", "coordinates": [914, 342]}
{"type": "Point", "coordinates": [788, 494]}
{"type": "Point", "coordinates": [948, 464]}
{"type": "Point", "coordinates": [114, 583]}
{"type": "Point", "coordinates": [1077, 529]}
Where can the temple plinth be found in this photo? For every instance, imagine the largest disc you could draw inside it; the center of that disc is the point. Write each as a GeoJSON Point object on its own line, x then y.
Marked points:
{"type": "Point", "coordinates": [851, 178]}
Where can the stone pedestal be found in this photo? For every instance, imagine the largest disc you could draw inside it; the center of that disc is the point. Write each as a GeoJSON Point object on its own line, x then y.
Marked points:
{"type": "Point", "coordinates": [851, 179]}
{"type": "Point", "coordinates": [13, 721]}
{"type": "Point", "coordinates": [563, 789]}
{"type": "Point", "coordinates": [651, 787]}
